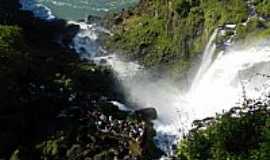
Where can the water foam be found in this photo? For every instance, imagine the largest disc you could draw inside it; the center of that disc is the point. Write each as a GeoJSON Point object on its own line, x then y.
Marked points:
{"type": "Point", "coordinates": [217, 86]}
{"type": "Point", "coordinates": [208, 57]}
{"type": "Point", "coordinates": [38, 10]}
{"type": "Point", "coordinates": [221, 86]}
{"type": "Point", "coordinates": [86, 42]}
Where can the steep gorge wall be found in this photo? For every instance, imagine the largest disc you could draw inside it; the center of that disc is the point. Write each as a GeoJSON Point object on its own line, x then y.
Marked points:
{"type": "Point", "coordinates": [168, 34]}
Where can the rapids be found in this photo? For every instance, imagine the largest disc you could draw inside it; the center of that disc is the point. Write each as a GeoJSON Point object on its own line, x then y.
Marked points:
{"type": "Point", "coordinates": [39, 10]}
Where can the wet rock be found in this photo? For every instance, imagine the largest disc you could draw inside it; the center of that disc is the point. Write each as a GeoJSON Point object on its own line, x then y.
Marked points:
{"type": "Point", "coordinates": [118, 19]}
{"type": "Point", "coordinates": [92, 19]}
{"type": "Point", "coordinates": [147, 114]}
{"type": "Point", "coordinates": [69, 33]}
{"type": "Point", "coordinates": [230, 26]}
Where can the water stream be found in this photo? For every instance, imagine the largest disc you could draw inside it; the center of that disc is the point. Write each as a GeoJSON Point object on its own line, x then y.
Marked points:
{"type": "Point", "coordinates": [207, 59]}
{"type": "Point", "coordinates": [217, 86]}
{"type": "Point", "coordinates": [75, 9]}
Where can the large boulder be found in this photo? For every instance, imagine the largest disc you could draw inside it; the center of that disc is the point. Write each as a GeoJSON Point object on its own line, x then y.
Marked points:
{"type": "Point", "coordinates": [69, 33]}
{"type": "Point", "coordinates": [93, 19]}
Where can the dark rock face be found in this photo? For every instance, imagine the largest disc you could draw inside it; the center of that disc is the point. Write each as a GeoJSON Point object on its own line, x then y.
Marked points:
{"type": "Point", "coordinates": [147, 114]}
{"type": "Point", "coordinates": [54, 104]}
{"type": "Point", "coordinates": [68, 34]}
{"type": "Point", "coordinates": [92, 19]}
{"type": "Point", "coordinates": [118, 19]}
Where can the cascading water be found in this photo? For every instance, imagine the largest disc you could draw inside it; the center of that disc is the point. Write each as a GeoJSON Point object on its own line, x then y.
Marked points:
{"type": "Point", "coordinates": [38, 10]}
{"type": "Point", "coordinates": [139, 85]}
{"type": "Point", "coordinates": [220, 87]}
{"type": "Point", "coordinates": [86, 42]}
{"type": "Point", "coordinates": [217, 86]}
{"type": "Point", "coordinates": [208, 57]}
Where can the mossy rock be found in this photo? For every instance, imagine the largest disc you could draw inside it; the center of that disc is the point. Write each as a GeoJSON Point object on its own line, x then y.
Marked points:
{"type": "Point", "coordinates": [166, 33]}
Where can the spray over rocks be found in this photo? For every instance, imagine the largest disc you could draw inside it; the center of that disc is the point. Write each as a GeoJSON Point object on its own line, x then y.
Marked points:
{"type": "Point", "coordinates": [217, 86]}
{"type": "Point", "coordinates": [38, 10]}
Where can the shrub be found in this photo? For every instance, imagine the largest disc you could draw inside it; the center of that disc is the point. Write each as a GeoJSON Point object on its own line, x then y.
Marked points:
{"type": "Point", "coordinates": [240, 134]}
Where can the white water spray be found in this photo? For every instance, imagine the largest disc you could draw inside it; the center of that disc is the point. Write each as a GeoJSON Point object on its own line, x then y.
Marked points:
{"type": "Point", "coordinates": [216, 87]}
{"type": "Point", "coordinates": [220, 87]}
{"type": "Point", "coordinates": [38, 10]}
{"type": "Point", "coordinates": [207, 59]}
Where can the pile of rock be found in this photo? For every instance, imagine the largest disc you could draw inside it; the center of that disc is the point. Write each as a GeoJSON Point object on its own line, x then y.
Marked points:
{"type": "Point", "coordinates": [123, 128]}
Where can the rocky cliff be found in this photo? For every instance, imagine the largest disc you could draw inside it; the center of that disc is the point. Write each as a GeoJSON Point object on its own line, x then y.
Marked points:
{"type": "Point", "coordinates": [170, 34]}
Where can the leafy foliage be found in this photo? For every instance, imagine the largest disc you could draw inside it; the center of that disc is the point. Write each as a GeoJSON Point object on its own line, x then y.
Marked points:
{"type": "Point", "coordinates": [263, 8]}
{"type": "Point", "coordinates": [240, 134]}
{"type": "Point", "coordinates": [164, 33]}
{"type": "Point", "coordinates": [183, 8]}
{"type": "Point", "coordinates": [11, 38]}
{"type": "Point", "coordinates": [40, 81]}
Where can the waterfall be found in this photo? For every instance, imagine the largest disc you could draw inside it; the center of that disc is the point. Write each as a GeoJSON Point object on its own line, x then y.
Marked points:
{"type": "Point", "coordinates": [140, 88]}
{"type": "Point", "coordinates": [86, 42]}
{"type": "Point", "coordinates": [220, 86]}
{"type": "Point", "coordinates": [216, 87]}
{"type": "Point", "coordinates": [207, 58]}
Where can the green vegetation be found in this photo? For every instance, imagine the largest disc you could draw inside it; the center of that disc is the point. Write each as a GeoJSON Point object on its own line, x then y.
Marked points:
{"type": "Point", "coordinates": [240, 134]}
{"type": "Point", "coordinates": [37, 84]}
{"type": "Point", "coordinates": [263, 8]}
{"type": "Point", "coordinates": [48, 97]}
{"type": "Point", "coordinates": [171, 34]}
{"type": "Point", "coordinates": [11, 38]}
{"type": "Point", "coordinates": [164, 33]}
{"type": "Point", "coordinates": [52, 104]}
{"type": "Point", "coordinates": [255, 30]}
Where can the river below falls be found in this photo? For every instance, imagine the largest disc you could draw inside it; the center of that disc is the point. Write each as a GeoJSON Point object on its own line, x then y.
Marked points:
{"type": "Point", "coordinates": [80, 9]}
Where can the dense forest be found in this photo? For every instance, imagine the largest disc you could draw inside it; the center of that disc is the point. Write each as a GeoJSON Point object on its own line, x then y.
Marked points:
{"type": "Point", "coordinates": [55, 106]}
